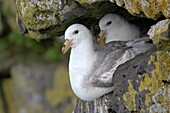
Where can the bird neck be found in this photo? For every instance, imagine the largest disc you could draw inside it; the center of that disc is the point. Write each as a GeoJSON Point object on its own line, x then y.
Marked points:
{"type": "Point", "coordinates": [83, 52]}
{"type": "Point", "coordinates": [82, 59]}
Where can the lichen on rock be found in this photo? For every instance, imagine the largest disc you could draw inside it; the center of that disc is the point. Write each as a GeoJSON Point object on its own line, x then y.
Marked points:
{"type": "Point", "coordinates": [157, 84]}
{"type": "Point", "coordinates": [159, 33]}
{"type": "Point", "coordinates": [37, 15]}
{"type": "Point", "coordinates": [129, 97]}
{"type": "Point", "coordinates": [150, 8]}
{"type": "Point", "coordinates": [45, 19]}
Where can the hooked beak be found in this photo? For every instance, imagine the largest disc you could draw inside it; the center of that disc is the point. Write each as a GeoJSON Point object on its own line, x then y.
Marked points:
{"type": "Point", "coordinates": [67, 45]}
{"type": "Point", "coordinates": [101, 37]}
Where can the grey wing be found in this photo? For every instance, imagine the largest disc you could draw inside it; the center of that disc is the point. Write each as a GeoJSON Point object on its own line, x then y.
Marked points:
{"type": "Point", "coordinates": [102, 77]}
{"type": "Point", "coordinates": [113, 56]}
{"type": "Point", "coordinates": [111, 46]}
{"type": "Point", "coordinates": [142, 45]}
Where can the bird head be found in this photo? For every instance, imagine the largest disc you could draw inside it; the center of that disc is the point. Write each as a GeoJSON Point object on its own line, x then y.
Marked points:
{"type": "Point", "coordinates": [74, 34]}
{"type": "Point", "coordinates": [107, 24]}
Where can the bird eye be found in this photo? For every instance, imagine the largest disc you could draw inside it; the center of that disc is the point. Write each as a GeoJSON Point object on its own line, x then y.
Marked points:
{"type": "Point", "coordinates": [76, 32]}
{"type": "Point", "coordinates": [108, 23]}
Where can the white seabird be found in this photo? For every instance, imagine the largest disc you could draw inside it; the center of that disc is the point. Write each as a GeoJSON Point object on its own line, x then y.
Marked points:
{"type": "Point", "coordinates": [117, 29]}
{"type": "Point", "coordinates": [91, 68]}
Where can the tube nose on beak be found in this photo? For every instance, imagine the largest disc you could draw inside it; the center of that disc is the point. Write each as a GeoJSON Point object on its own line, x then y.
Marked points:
{"type": "Point", "coordinates": [67, 45]}
{"type": "Point", "coordinates": [101, 37]}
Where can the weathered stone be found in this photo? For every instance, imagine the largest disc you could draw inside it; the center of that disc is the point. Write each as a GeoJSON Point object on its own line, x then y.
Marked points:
{"type": "Point", "coordinates": [160, 34]}
{"type": "Point", "coordinates": [45, 19]}
{"type": "Point", "coordinates": [150, 8]}
{"type": "Point", "coordinates": [152, 78]}
{"type": "Point", "coordinates": [42, 88]}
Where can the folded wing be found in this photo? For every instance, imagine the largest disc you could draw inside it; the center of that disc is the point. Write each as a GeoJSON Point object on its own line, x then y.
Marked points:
{"type": "Point", "coordinates": [113, 56]}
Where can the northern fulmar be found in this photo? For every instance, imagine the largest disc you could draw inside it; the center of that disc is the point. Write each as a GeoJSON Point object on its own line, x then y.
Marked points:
{"type": "Point", "coordinates": [91, 67]}
{"type": "Point", "coordinates": [117, 29]}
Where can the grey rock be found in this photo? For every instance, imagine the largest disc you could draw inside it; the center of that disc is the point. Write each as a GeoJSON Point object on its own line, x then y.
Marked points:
{"type": "Point", "coordinates": [38, 88]}
{"type": "Point", "coordinates": [49, 19]}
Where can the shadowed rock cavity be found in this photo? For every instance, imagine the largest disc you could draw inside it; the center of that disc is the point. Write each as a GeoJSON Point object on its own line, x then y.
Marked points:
{"type": "Point", "coordinates": [47, 22]}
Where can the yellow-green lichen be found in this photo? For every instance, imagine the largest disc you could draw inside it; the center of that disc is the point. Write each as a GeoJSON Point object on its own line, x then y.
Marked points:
{"type": "Point", "coordinates": [158, 87]}
{"type": "Point", "coordinates": [152, 58]}
{"type": "Point", "coordinates": [129, 97]}
{"type": "Point", "coordinates": [142, 110]}
{"type": "Point", "coordinates": [147, 98]}
{"type": "Point", "coordinates": [159, 34]}
{"type": "Point", "coordinates": [155, 85]}
{"type": "Point", "coordinates": [159, 28]}
{"type": "Point", "coordinates": [162, 70]}
{"type": "Point", "coordinates": [145, 83]}
{"type": "Point", "coordinates": [155, 82]}
{"type": "Point", "coordinates": [132, 6]}
{"type": "Point", "coordinates": [37, 14]}
{"type": "Point", "coordinates": [151, 8]}
{"type": "Point", "coordinates": [60, 91]}
{"type": "Point", "coordinates": [37, 35]}
{"type": "Point", "coordinates": [162, 65]}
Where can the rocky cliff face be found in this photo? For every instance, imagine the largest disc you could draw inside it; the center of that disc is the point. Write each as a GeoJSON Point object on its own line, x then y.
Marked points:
{"type": "Point", "coordinates": [44, 19]}
{"type": "Point", "coordinates": [141, 84]}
